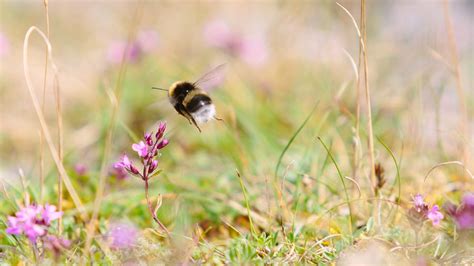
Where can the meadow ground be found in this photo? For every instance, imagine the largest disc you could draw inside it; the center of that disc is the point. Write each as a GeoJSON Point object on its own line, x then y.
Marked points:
{"type": "Point", "coordinates": [347, 133]}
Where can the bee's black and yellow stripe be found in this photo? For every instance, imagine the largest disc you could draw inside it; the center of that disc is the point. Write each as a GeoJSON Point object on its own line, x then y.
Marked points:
{"type": "Point", "coordinates": [187, 99]}
{"type": "Point", "coordinates": [190, 96]}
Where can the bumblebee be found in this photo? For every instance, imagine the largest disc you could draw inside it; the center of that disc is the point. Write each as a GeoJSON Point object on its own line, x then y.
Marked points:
{"type": "Point", "coordinates": [191, 99]}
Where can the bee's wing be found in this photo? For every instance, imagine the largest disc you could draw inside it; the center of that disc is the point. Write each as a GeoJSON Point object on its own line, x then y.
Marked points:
{"type": "Point", "coordinates": [211, 79]}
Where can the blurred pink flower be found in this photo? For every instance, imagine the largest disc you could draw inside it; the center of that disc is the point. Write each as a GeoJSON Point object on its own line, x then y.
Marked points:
{"type": "Point", "coordinates": [145, 42]}
{"type": "Point", "coordinates": [218, 34]}
{"type": "Point", "coordinates": [251, 50]}
{"type": "Point", "coordinates": [33, 221]}
{"type": "Point", "coordinates": [80, 169]}
{"type": "Point", "coordinates": [4, 45]}
{"type": "Point", "coordinates": [116, 50]}
{"type": "Point", "coordinates": [435, 215]}
{"type": "Point", "coordinates": [122, 235]}
{"type": "Point", "coordinates": [463, 214]}
{"type": "Point", "coordinates": [126, 164]}
{"type": "Point", "coordinates": [56, 244]}
{"type": "Point", "coordinates": [148, 40]}
{"type": "Point", "coordinates": [119, 173]}
{"type": "Point", "coordinates": [418, 201]}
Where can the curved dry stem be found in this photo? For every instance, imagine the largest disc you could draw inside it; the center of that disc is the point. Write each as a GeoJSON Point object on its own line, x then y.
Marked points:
{"type": "Point", "coordinates": [54, 154]}
{"type": "Point", "coordinates": [353, 64]}
{"type": "Point", "coordinates": [448, 163]}
{"type": "Point", "coordinates": [355, 183]}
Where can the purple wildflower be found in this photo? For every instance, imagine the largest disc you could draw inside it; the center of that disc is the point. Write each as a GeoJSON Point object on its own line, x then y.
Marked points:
{"type": "Point", "coordinates": [80, 169]}
{"type": "Point", "coordinates": [122, 235]}
{"type": "Point", "coordinates": [435, 215]}
{"type": "Point", "coordinates": [421, 212]}
{"type": "Point", "coordinates": [463, 214]}
{"type": "Point", "coordinates": [33, 221]}
{"type": "Point", "coordinates": [147, 150]}
{"type": "Point", "coordinates": [418, 201]}
{"type": "Point", "coordinates": [141, 149]}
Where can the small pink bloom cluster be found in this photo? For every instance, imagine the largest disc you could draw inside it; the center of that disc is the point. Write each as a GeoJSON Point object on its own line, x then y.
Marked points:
{"type": "Point", "coordinates": [251, 50]}
{"type": "Point", "coordinates": [148, 150]}
{"type": "Point", "coordinates": [32, 221]}
{"type": "Point", "coordinates": [464, 213]}
{"type": "Point", "coordinates": [421, 212]}
{"type": "Point", "coordinates": [122, 235]}
{"type": "Point", "coordinates": [146, 42]}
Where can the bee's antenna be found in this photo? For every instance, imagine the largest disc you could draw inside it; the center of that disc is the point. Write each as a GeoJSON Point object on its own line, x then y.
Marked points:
{"type": "Point", "coordinates": [218, 119]}
{"type": "Point", "coordinates": [161, 89]}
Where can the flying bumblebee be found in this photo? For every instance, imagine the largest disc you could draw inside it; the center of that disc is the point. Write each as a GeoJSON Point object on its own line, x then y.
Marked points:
{"type": "Point", "coordinates": [191, 99]}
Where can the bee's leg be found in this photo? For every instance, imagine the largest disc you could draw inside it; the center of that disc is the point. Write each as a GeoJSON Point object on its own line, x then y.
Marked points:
{"type": "Point", "coordinates": [182, 111]}
{"type": "Point", "coordinates": [218, 119]}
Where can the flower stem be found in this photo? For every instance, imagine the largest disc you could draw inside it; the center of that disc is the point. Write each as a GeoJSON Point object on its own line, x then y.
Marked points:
{"type": "Point", "coordinates": [150, 208]}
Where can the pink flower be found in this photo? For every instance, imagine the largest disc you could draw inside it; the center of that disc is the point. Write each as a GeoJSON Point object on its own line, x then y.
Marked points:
{"type": "Point", "coordinates": [49, 214]}
{"type": "Point", "coordinates": [119, 173]}
{"type": "Point", "coordinates": [122, 235]}
{"type": "Point", "coordinates": [252, 50]}
{"type": "Point", "coordinates": [418, 201]}
{"type": "Point", "coordinates": [32, 221]}
{"type": "Point", "coordinates": [141, 149]}
{"type": "Point", "coordinates": [4, 45]}
{"type": "Point", "coordinates": [435, 215]}
{"type": "Point", "coordinates": [463, 214]}
{"type": "Point", "coordinates": [147, 40]}
{"type": "Point", "coordinates": [218, 34]}
{"type": "Point", "coordinates": [80, 169]}
{"type": "Point", "coordinates": [123, 163]}
{"type": "Point", "coordinates": [116, 51]}
{"type": "Point", "coordinates": [148, 150]}
{"type": "Point", "coordinates": [56, 244]}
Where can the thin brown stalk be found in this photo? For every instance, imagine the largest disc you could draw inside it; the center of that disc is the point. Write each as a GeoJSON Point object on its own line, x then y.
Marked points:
{"type": "Point", "coordinates": [45, 79]}
{"type": "Point", "coordinates": [153, 210]}
{"type": "Point", "coordinates": [357, 122]}
{"type": "Point", "coordinates": [459, 86]}
{"type": "Point", "coordinates": [54, 154]}
{"type": "Point", "coordinates": [57, 90]}
{"type": "Point", "coordinates": [361, 33]}
{"type": "Point", "coordinates": [367, 97]}
{"type": "Point", "coordinates": [113, 120]}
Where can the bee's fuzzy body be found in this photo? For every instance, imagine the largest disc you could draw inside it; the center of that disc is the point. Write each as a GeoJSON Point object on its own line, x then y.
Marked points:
{"type": "Point", "coordinates": [191, 102]}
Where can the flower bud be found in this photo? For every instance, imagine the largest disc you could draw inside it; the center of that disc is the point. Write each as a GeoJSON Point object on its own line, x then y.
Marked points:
{"type": "Point", "coordinates": [148, 139]}
{"type": "Point", "coordinates": [162, 144]}
{"type": "Point", "coordinates": [134, 170]}
{"type": "Point", "coordinates": [153, 166]}
{"type": "Point", "coordinates": [161, 130]}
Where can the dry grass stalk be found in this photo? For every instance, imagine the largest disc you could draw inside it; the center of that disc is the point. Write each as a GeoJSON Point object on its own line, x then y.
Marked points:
{"type": "Point", "coordinates": [54, 154]}
{"type": "Point", "coordinates": [464, 122]}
